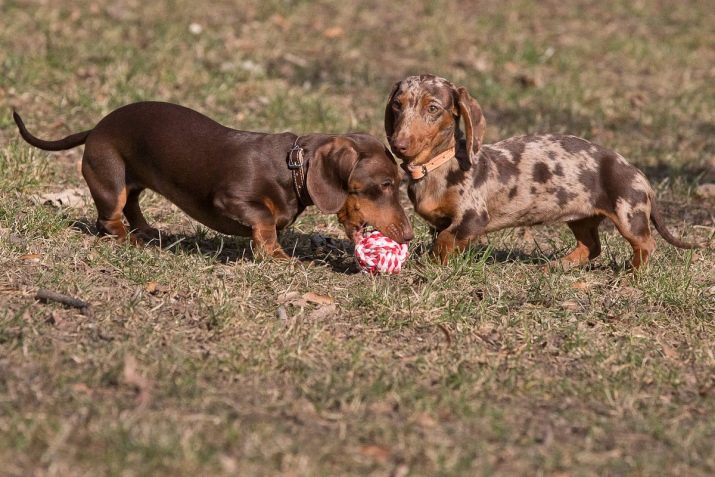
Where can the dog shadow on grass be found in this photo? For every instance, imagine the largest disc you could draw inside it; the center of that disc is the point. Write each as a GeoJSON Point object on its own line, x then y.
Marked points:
{"type": "Point", "coordinates": [530, 252]}
{"type": "Point", "coordinates": [315, 249]}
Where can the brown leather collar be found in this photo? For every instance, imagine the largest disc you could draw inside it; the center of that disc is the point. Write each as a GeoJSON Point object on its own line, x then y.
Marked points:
{"type": "Point", "coordinates": [297, 163]}
{"type": "Point", "coordinates": [418, 171]}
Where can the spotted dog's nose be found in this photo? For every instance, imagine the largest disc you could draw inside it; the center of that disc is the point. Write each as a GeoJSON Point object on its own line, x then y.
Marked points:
{"type": "Point", "coordinates": [401, 145]}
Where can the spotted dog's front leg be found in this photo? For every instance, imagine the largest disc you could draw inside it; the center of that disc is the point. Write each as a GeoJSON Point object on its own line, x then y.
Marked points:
{"type": "Point", "coordinates": [446, 244]}
{"type": "Point", "coordinates": [459, 234]}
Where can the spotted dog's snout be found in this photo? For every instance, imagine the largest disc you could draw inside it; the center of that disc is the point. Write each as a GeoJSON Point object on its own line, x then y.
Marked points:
{"type": "Point", "coordinates": [400, 146]}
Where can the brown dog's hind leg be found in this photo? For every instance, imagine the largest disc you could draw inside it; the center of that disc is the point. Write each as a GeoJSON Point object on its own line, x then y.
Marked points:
{"type": "Point", "coordinates": [138, 226]}
{"type": "Point", "coordinates": [588, 244]}
{"type": "Point", "coordinates": [105, 177]}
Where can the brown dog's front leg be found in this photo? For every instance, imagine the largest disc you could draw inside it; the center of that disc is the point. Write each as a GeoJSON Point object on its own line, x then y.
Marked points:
{"type": "Point", "coordinates": [257, 216]}
{"type": "Point", "coordinates": [265, 237]}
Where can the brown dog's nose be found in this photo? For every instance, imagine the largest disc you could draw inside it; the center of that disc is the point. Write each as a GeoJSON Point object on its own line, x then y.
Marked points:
{"type": "Point", "coordinates": [407, 232]}
{"type": "Point", "coordinates": [408, 235]}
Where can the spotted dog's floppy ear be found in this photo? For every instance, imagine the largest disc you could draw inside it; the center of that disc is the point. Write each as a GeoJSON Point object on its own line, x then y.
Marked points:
{"type": "Point", "coordinates": [388, 153]}
{"type": "Point", "coordinates": [474, 122]}
{"type": "Point", "coordinates": [328, 173]}
{"type": "Point", "coordinates": [389, 113]}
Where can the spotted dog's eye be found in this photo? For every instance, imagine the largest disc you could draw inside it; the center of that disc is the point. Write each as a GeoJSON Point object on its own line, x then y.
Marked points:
{"type": "Point", "coordinates": [432, 109]}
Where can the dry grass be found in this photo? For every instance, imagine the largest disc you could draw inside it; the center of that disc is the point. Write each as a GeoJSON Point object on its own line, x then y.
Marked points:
{"type": "Point", "coordinates": [487, 366]}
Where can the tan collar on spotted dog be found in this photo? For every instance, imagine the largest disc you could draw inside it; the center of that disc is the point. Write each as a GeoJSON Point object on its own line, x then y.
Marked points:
{"type": "Point", "coordinates": [418, 171]}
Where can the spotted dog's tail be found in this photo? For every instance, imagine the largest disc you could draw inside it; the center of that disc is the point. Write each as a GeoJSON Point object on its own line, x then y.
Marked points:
{"type": "Point", "coordinates": [657, 220]}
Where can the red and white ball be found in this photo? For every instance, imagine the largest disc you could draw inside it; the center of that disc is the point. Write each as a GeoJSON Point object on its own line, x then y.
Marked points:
{"type": "Point", "coordinates": [376, 253]}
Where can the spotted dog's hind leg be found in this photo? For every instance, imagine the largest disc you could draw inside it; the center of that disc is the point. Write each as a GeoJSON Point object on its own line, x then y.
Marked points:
{"type": "Point", "coordinates": [635, 227]}
{"type": "Point", "coordinates": [588, 244]}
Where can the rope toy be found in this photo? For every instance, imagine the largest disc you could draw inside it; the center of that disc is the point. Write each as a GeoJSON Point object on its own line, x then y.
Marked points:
{"type": "Point", "coordinates": [376, 253]}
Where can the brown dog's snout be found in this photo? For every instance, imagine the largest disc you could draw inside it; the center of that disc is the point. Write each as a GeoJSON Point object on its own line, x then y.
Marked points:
{"type": "Point", "coordinates": [401, 233]}
{"type": "Point", "coordinates": [407, 233]}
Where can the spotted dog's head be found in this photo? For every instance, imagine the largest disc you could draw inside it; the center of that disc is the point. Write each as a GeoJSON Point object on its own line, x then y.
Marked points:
{"type": "Point", "coordinates": [422, 118]}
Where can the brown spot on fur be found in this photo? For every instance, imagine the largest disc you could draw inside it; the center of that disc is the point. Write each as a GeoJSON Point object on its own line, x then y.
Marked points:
{"type": "Point", "coordinates": [507, 169]}
{"type": "Point", "coordinates": [589, 180]}
{"type": "Point", "coordinates": [563, 196]}
{"type": "Point", "coordinates": [535, 138]}
{"type": "Point", "coordinates": [612, 180]}
{"type": "Point", "coordinates": [472, 224]}
{"type": "Point", "coordinates": [541, 172]}
{"type": "Point", "coordinates": [516, 147]}
{"type": "Point", "coordinates": [639, 224]}
{"type": "Point", "coordinates": [455, 176]}
{"type": "Point", "coordinates": [615, 179]}
{"type": "Point", "coordinates": [574, 145]}
{"type": "Point", "coordinates": [481, 169]}
{"type": "Point", "coordinates": [635, 197]}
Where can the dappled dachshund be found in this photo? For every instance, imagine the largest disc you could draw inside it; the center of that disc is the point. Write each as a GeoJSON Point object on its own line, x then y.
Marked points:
{"type": "Point", "coordinates": [235, 182]}
{"type": "Point", "coordinates": [465, 189]}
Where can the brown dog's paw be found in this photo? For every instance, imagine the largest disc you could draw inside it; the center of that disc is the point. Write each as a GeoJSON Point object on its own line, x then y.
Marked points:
{"type": "Point", "coordinates": [563, 265]}
{"type": "Point", "coordinates": [273, 253]}
{"type": "Point", "coordinates": [145, 236]}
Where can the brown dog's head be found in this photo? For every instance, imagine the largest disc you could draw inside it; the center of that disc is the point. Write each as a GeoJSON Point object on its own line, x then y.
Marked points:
{"type": "Point", "coordinates": [422, 118]}
{"type": "Point", "coordinates": [357, 177]}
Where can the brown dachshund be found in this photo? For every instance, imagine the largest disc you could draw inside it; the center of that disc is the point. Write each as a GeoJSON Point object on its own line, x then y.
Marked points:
{"type": "Point", "coordinates": [235, 182]}
{"type": "Point", "coordinates": [465, 189]}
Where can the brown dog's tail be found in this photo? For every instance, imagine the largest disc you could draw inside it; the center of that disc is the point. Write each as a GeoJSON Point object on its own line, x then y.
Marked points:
{"type": "Point", "coordinates": [665, 233]}
{"type": "Point", "coordinates": [69, 142]}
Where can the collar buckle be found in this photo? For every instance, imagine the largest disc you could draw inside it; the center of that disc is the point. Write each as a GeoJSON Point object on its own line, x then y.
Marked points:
{"type": "Point", "coordinates": [295, 157]}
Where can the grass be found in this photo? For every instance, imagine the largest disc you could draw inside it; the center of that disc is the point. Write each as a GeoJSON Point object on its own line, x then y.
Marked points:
{"type": "Point", "coordinates": [484, 367]}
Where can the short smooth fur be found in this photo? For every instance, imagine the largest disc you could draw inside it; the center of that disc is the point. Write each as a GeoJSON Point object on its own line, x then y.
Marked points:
{"type": "Point", "coordinates": [520, 181]}
{"type": "Point", "coordinates": [235, 182]}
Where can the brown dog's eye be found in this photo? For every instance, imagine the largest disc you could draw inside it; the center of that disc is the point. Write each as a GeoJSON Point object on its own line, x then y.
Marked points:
{"type": "Point", "coordinates": [432, 109]}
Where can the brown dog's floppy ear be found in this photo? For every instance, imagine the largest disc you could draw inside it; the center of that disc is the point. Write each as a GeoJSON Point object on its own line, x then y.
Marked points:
{"type": "Point", "coordinates": [474, 122]}
{"type": "Point", "coordinates": [389, 113]}
{"type": "Point", "coordinates": [328, 173]}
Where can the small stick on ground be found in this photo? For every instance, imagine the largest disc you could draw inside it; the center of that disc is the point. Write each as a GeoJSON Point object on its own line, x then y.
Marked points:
{"type": "Point", "coordinates": [47, 296]}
